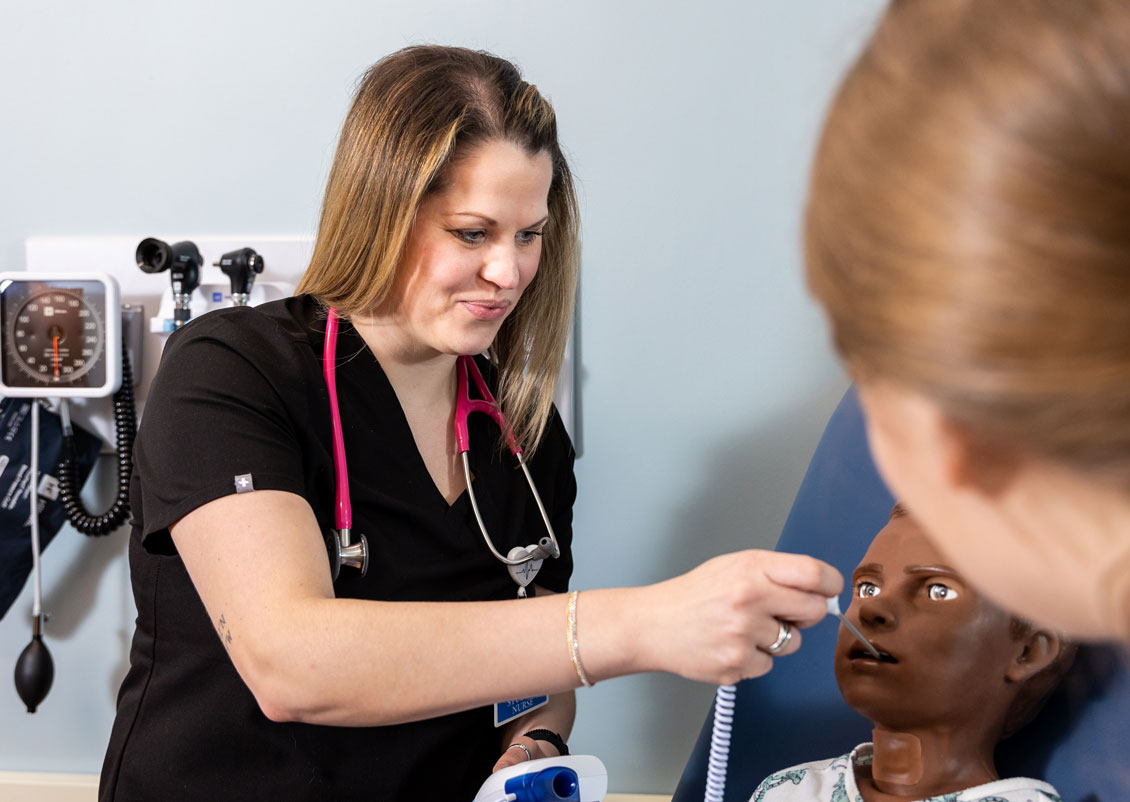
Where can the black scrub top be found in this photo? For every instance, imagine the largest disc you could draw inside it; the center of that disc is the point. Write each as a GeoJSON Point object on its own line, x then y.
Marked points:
{"type": "Point", "coordinates": [240, 393]}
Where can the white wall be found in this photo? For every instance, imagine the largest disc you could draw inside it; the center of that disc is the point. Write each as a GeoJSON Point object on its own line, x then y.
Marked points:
{"type": "Point", "coordinates": [706, 371]}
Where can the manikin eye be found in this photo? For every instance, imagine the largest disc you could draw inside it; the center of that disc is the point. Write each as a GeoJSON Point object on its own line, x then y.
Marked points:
{"type": "Point", "coordinates": [939, 592]}
{"type": "Point", "coordinates": [867, 590]}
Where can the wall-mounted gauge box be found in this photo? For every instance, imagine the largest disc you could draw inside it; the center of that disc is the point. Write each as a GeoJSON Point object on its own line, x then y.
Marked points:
{"type": "Point", "coordinates": [60, 334]}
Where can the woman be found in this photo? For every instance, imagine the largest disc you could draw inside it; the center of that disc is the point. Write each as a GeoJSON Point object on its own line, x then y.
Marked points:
{"type": "Point", "coordinates": [968, 233]}
{"type": "Point", "coordinates": [449, 228]}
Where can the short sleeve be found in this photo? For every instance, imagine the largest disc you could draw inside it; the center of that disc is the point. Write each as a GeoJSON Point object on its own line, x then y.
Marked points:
{"type": "Point", "coordinates": [222, 416]}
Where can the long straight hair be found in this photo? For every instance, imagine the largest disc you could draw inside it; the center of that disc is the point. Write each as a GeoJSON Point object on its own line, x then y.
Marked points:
{"type": "Point", "coordinates": [415, 113]}
{"type": "Point", "coordinates": [968, 224]}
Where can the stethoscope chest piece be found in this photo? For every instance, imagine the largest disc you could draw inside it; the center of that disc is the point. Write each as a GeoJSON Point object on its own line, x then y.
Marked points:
{"type": "Point", "coordinates": [343, 551]}
{"type": "Point", "coordinates": [523, 572]}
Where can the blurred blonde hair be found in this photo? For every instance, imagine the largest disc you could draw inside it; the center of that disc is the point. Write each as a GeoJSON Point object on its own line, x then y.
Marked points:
{"type": "Point", "coordinates": [968, 224]}
{"type": "Point", "coordinates": [414, 114]}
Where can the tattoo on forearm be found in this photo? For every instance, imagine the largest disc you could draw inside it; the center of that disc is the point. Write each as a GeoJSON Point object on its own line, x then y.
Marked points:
{"type": "Point", "coordinates": [223, 631]}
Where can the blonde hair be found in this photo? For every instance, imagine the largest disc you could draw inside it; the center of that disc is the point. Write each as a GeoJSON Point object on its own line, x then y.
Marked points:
{"type": "Point", "coordinates": [414, 114]}
{"type": "Point", "coordinates": [968, 224]}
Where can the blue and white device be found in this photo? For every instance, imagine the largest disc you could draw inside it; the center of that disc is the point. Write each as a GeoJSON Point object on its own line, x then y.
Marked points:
{"type": "Point", "coordinates": [569, 778]}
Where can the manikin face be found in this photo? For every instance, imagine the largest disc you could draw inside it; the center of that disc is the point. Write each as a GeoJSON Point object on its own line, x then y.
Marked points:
{"type": "Point", "coordinates": [473, 250]}
{"type": "Point", "coordinates": [946, 649]}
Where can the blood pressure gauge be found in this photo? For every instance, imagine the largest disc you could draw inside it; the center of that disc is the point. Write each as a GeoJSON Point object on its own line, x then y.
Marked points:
{"type": "Point", "coordinates": [61, 335]}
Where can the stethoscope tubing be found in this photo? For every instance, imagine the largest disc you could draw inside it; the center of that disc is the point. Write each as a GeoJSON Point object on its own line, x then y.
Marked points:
{"type": "Point", "coordinates": [547, 546]}
{"type": "Point", "coordinates": [466, 371]}
{"type": "Point", "coordinates": [343, 510]}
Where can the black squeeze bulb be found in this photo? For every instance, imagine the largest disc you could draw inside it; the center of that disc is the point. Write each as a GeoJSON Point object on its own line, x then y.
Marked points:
{"type": "Point", "coordinates": [35, 671]}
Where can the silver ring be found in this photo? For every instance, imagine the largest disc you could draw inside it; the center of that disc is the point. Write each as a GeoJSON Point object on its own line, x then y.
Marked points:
{"type": "Point", "coordinates": [784, 635]}
{"type": "Point", "coordinates": [524, 748]}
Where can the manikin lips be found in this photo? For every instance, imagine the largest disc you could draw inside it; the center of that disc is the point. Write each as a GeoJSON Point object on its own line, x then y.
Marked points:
{"type": "Point", "coordinates": [859, 652]}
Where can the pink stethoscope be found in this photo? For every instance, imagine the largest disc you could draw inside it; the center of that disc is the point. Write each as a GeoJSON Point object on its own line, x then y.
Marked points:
{"type": "Point", "coordinates": [523, 562]}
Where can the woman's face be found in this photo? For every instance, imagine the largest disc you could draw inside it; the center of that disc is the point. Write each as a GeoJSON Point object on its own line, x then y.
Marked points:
{"type": "Point", "coordinates": [473, 249]}
{"type": "Point", "coordinates": [946, 649]}
{"type": "Point", "coordinates": [1015, 543]}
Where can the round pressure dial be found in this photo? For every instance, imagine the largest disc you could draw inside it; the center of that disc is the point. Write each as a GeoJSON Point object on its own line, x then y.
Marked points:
{"type": "Point", "coordinates": [56, 337]}
{"type": "Point", "coordinates": [59, 339]}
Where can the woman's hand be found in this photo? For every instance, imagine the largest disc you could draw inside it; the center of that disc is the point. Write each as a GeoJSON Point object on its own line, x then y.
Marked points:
{"type": "Point", "coordinates": [713, 623]}
{"type": "Point", "coordinates": [513, 754]}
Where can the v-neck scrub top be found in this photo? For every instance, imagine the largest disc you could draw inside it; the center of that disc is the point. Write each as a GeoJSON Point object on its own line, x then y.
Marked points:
{"type": "Point", "coordinates": [240, 402]}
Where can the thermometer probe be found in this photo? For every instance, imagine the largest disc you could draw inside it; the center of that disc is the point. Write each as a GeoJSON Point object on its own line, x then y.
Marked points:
{"type": "Point", "coordinates": [834, 609]}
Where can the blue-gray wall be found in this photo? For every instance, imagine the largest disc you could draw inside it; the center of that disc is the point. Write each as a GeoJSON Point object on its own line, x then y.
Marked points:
{"type": "Point", "coordinates": [706, 373]}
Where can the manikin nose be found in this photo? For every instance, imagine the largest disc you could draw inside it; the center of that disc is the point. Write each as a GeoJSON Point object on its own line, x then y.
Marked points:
{"type": "Point", "coordinates": [878, 614]}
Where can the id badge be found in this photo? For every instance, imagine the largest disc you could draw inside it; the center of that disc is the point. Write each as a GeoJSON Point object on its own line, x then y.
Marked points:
{"type": "Point", "coordinates": [505, 712]}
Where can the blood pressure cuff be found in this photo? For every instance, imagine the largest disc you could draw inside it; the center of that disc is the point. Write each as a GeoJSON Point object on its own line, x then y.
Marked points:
{"type": "Point", "coordinates": [15, 481]}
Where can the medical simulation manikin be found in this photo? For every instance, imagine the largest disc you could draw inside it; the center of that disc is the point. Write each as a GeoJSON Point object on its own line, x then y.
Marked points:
{"type": "Point", "coordinates": [955, 675]}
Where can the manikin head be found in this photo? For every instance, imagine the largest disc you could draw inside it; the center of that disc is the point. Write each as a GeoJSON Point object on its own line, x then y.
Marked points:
{"type": "Point", "coordinates": [952, 661]}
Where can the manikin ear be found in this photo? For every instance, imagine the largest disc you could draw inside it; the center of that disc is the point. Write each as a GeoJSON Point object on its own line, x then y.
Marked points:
{"type": "Point", "coordinates": [1039, 649]}
{"type": "Point", "coordinates": [973, 460]}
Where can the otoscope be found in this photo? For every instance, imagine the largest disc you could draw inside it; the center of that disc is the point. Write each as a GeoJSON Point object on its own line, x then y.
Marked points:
{"type": "Point", "coordinates": [241, 267]}
{"type": "Point", "coordinates": [183, 260]}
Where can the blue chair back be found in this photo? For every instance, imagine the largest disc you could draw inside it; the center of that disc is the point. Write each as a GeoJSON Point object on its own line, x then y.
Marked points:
{"type": "Point", "coordinates": [1080, 742]}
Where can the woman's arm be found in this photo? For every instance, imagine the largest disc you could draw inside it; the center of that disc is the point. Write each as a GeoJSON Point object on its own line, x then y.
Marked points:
{"type": "Point", "coordinates": [307, 656]}
{"type": "Point", "coordinates": [556, 716]}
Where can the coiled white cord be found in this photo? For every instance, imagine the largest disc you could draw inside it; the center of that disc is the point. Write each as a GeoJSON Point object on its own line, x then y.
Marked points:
{"type": "Point", "coordinates": [724, 701]}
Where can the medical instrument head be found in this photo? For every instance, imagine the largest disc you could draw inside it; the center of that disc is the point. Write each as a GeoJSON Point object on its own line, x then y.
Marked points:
{"type": "Point", "coordinates": [182, 259]}
{"type": "Point", "coordinates": [949, 657]}
{"type": "Point", "coordinates": [241, 266]}
{"type": "Point", "coordinates": [416, 114]}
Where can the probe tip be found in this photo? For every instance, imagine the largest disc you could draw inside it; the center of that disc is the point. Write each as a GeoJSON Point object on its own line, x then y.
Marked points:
{"type": "Point", "coordinates": [834, 605]}
{"type": "Point", "coordinates": [834, 609]}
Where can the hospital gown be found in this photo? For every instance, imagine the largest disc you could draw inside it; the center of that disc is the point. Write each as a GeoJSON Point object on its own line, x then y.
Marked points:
{"type": "Point", "coordinates": [834, 781]}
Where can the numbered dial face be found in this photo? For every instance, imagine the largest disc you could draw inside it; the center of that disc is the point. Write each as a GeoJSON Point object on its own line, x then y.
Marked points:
{"type": "Point", "coordinates": [54, 336]}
